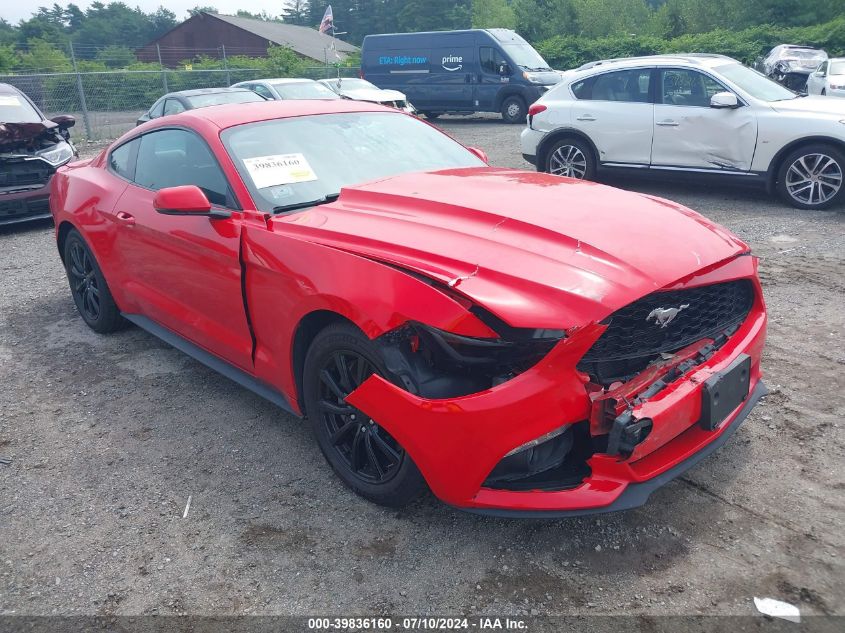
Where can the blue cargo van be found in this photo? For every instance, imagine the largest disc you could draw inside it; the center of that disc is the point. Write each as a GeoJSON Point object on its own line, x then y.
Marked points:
{"type": "Point", "coordinates": [477, 70]}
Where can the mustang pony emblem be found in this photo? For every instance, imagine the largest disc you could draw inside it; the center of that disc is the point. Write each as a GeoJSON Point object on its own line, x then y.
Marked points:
{"type": "Point", "coordinates": [664, 316]}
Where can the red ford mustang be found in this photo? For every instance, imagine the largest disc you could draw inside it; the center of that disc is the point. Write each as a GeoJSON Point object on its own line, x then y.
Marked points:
{"type": "Point", "coordinates": [519, 343]}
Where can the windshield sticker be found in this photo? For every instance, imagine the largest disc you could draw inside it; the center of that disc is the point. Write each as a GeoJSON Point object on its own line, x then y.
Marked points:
{"type": "Point", "coordinates": [280, 169]}
{"type": "Point", "coordinates": [9, 100]}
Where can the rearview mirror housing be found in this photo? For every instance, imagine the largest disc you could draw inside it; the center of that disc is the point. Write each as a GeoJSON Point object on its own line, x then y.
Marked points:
{"type": "Point", "coordinates": [185, 200]}
{"type": "Point", "coordinates": [480, 153]}
{"type": "Point", "coordinates": [64, 121]}
{"type": "Point", "coordinates": [724, 100]}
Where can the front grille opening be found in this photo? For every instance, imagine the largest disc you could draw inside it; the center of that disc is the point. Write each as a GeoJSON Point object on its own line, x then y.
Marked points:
{"type": "Point", "coordinates": [563, 475]}
{"type": "Point", "coordinates": [635, 336]}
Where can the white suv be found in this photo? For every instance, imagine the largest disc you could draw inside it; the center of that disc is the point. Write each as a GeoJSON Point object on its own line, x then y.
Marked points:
{"type": "Point", "coordinates": [690, 114]}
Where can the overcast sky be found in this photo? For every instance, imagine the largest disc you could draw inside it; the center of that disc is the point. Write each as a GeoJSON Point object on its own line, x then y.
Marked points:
{"type": "Point", "coordinates": [15, 10]}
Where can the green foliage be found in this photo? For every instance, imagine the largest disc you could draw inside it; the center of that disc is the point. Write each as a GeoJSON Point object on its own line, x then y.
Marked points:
{"type": "Point", "coordinates": [9, 58]}
{"type": "Point", "coordinates": [492, 14]}
{"type": "Point", "coordinates": [746, 45]}
{"type": "Point", "coordinates": [44, 57]}
{"type": "Point", "coordinates": [283, 62]}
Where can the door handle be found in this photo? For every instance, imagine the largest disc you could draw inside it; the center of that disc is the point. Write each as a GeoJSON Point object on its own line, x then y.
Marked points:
{"type": "Point", "coordinates": [126, 218]}
{"type": "Point", "coordinates": [668, 123]}
{"type": "Point", "coordinates": [585, 117]}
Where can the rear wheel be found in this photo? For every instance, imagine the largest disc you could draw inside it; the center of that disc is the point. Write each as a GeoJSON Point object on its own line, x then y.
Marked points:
{"type": "Point", "coordinates": [365, 456]}
{"type": "Point", "coordinates": [811, 177]}
{"type": "Point", "coordinates": [88, 287]}
{"type": "Point", "coordinates": [571, 157]}
{"type": "Point", "coordinates": [514, 110]}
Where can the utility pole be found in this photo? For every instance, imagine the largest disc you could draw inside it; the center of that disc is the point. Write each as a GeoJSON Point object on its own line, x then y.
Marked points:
{"type": "Point", "coordinates": [163, 72]}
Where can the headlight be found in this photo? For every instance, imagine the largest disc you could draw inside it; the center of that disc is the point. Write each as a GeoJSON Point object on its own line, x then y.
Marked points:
{"type": "Point", "coordinates": [534, 79]}
{"type": "Point", "coordinates": [58, 154]}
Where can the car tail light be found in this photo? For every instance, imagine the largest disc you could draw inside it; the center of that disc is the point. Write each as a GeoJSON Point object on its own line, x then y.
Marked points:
{"type": "Point", "coordinates": [536, 108]}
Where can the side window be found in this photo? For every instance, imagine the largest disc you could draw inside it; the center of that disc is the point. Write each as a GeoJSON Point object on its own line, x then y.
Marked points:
{"type": "Point", "coordinates": [624, 85]}
{"type": "Point", "coordinates": [262, 90]}
{"type": "Point", "coordinates": [491, 60]}
{"type": "Point", "coordinates": [157, 109]}
{"type": "Point", "coordinates": [583, 89]}
{"type": "Point", "coordinates": [169, 158]}
{"type": "Point", "coordinates": [172, 106]}
{"type": "Point", "coordinates": [688, 88]}
{"type": "Point", "coordinates": [121, 160]}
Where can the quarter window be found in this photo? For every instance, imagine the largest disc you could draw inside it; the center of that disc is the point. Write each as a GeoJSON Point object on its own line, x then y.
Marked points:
{"type": "Point", "coordinates": [121, 159]}
{"type": "Point", "coordinates": [172, 106]}
{"type": "Point", "coordinates": [688, 88]}
{"type": "Point", "coordinates": [170, 158]}
{"type": "Point", "coordinates": [631, 86]}
{"type": "Point", "coordinates": [262, 90]}
{"type": "Point", "coordinates": [157, 109]}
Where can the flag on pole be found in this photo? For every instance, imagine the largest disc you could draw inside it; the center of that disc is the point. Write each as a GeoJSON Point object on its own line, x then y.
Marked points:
{"type": "Point", "coordinates": [327, 25]}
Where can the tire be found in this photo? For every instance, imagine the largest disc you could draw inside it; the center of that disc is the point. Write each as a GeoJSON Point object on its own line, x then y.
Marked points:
{"type": "Point", "coordinates": [88, 287]}
{"type": "Point", "coordinates": [431, 116]}
{"type": "Point", "coordinates": [571, 157]}
{"type": "Point", "coordinates": [823, 92]}
{"type": "Point", "coordinates": [811, 177]}
{"type": "Point", "coordinates": [363, 454]}
{"type": "Point", "coordinates": [514, 110]}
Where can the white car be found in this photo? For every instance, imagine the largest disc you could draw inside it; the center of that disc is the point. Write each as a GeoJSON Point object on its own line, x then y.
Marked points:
{"type": "Point", "coordinates": [288, 88]}
{"type": "Point", "coordinates": [363, 90]}
{"type": "Point", "coordinates": [692, 115]}
{"type": "Point", "coordinates": [828, 79]}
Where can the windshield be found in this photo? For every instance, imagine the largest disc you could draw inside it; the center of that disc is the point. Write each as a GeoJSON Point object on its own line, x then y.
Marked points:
{"type": "Point", "coordinates": [353, 84]}
{"type": "Point", "coordinates": [219, 98]}
{"type": "Point", "coordinates": [755, 84]}
{"type": "Point", "coordinates": [285, 162]}
{"type": "Point", "coordinates": [304, 90]}
{"type": "Point", "coordinates": [15, 109]}
{"type": "Point", "coordinates": [524, 56]}
{"type": "Point", "coordinates": [837, 68]}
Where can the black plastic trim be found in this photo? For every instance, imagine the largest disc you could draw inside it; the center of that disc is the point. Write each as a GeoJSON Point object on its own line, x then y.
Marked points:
{"type": "Point", "coordinates": [637, 494]}
{"type": "Point", "coordinates": [211, 361]}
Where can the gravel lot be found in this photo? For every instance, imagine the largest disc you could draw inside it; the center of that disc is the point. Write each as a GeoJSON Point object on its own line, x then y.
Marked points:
{"type": "Point", "coordinates": [109, 436]}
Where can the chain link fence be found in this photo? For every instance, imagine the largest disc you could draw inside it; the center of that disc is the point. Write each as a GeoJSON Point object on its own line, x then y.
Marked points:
{"type": "Point", "coordinates": [107, 104]}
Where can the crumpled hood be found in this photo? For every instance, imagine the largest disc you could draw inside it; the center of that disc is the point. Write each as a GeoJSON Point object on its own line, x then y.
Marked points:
{"type": "Point", "coordinates": [812, 104]}
{"type": "Point", "coordinates": [373, 95]}
{"type": "Point", "coordinates": [22, 136]}
{"type": "Point", "coordinates": [537, 250]}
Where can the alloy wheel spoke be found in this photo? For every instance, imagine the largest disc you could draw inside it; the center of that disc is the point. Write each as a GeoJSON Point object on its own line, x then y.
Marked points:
{"type": "Point", "coordinates": [330, 382]}
{"type": "Point", "coordinates": [385, 447]}
{"type": "Point", "coordinates": [342, 432]}
{"type": "Point", "coordinates": [343, 372]}
{"type": "Point", "coordinates": [336, 409]}
{"type": "Point", "coordinates": [355, 452]}
{"type": "Point", "coordinates": [371, 454]}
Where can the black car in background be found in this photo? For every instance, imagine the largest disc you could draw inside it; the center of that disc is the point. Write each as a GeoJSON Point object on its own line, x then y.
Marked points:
{"type": "Point", "coordinates": [32, 147]}
{"type": "Point", "coordinates": [176, 102]}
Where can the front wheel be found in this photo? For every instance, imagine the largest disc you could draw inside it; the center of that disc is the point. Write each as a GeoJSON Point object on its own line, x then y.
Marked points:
{"type": "Point", "coordinates": [514, 110]}
{"type": "Point", "coordinates": [571, 157]}
{"type": "Point", "coordinates": [811, 177]}
{"type": "Point", "coordinates": [363, 454]}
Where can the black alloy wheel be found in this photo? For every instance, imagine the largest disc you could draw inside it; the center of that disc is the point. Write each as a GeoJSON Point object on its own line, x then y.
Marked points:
{"type": "Point", "coordinates": [367, 450]}
{"type": "Point", "coordinates": [363, 454]}
{"type": "Point", "coordinates": [88, 287]}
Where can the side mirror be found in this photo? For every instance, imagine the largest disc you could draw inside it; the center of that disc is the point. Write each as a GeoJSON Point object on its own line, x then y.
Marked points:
{"type": "Point", "coordinates": [64, 121]}
{"type": "Point", "coordinates": [185, 200]}
{"type": "Point", "coordinates": [724, 100]}
{"type": "Point", "coordinates": [480, 153]}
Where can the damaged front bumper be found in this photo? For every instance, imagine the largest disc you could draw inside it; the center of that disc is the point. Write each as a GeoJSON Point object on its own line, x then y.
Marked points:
{"type": "Point", "coordinates": [458, 442]}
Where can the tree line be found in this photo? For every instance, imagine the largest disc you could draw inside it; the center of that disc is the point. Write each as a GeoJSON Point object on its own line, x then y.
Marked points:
{"type": "Point", "coordinates": [105, 35]}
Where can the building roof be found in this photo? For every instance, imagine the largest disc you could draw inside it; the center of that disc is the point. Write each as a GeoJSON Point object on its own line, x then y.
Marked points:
{"type": "Point", "coordinates": [303, 40]}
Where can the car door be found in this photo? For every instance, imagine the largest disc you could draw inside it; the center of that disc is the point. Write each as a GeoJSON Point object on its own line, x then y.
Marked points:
{"type": "Point", "coordinates": [816, 80]}
{"type": "Point", "coordinates": [615, 110]}
{"type": "Point", "coordinates": [183, 272]}
{"type": "Point", "coordinates": [451, 72]}
{"type": "Point", "coordinates": [490, 79]}
{"type": "Point", "coordinates": [690, 134]}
